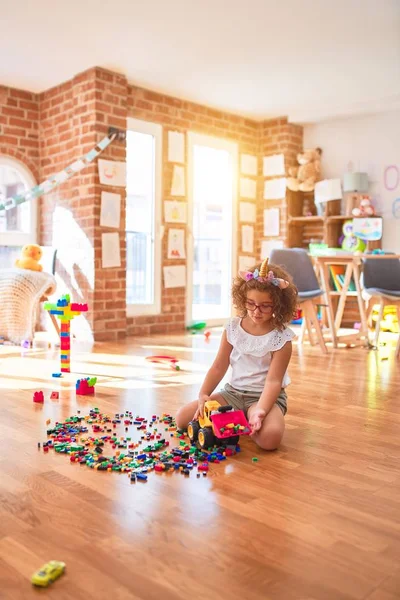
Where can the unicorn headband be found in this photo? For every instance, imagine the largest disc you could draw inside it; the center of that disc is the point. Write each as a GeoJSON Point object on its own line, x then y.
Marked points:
{"type": "Point", "coordinates": [264, 276]}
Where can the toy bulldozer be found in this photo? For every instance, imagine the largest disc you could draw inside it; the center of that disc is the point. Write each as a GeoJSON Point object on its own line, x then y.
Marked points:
{"type": "Point", "coordinates": [219, 425]}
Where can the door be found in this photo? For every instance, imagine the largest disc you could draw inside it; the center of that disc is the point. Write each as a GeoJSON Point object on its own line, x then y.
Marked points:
{"type": "Point", "coordinates": [212, 228]}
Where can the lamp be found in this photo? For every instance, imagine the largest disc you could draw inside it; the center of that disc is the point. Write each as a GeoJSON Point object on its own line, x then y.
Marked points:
{"type": "Point", "coordinates": [353, 185]}
{"type": "Point", "coordinates": [355, 182]}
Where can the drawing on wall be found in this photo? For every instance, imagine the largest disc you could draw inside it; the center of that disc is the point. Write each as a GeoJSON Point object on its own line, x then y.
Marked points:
{"type": "Point", "coordinates": [174, 276]}
{"type": "Point", "coordinates": [176, 243]}
{"type": "Point", "coordinates": [248, 165]}
{"type": "Point", "coordinates": [174, 211]}
{"type": "Point", "coordinates": [247, 238]}
{"type": "Point", "coordinates": [110, 212]}
{"type": "Point", "coordinates": [396, 208]}
{"type": "Point", "coordinates": [178, 181]}
{"type": "Point", "coordinates": [391, 177]}
{"type": "Point", "coordinates": [112, 172]}
{"type": "Point", "coordinates": [176, 147]}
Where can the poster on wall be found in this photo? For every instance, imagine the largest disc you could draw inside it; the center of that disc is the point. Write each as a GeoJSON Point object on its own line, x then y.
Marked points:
{"type": "Point", "coordinates": [246, 262]}
{"type": "Point", "coordinates": [275, 189]}
{"type": "Point", "coordinates": [110, 212]}
{"type": "Point", "coordinates": [248, 188]}
{"type": "Point", "coordinates": [112, 172]}
{"type": "Point", "coordinates": [248, 164]}
{"type": "Point", "coordinates": [274, 165]}
{"type": "Point", "coordinates": [176, 147]}
{"type": "Point", "coordinates": [178, 181]}
{"type": "Point", "coordinates": [174, 277]}
{"type": "Point", "coordinates": [247, 238]}
{"type": "Point", "coordinates": [110, 250]}
{"type": "Point", "coordinates": [271, 221]}
{"type": "Point", "coordinates": [174, 211]}
{"type": "Point", "coordinates": [176, 243]}
{"type": "Point", "coordinates": [268, 245]}
{"type": "Point", "coordinates": [247, 212]}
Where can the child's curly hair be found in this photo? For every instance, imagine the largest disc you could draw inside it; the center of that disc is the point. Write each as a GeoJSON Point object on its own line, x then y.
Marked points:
{"type": "Point", "coordinates": [285, 300]}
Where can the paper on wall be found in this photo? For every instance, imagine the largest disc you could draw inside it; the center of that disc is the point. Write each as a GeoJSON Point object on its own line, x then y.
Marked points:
{"type": "Point", "coordinates": [247, 238]}
{"type": "Point", "coordinates": [110, 250]}
{"type": "Point", "coordinates": [247, 212]}
{"type": "Point", "coordinates": [271, 221]}
{"type": "Point", "coordinates": [268, 245]}
{"type": "Point", "coordinates": [248, 164]}
{"type": "Point", "coordinates": [368, 229]}
{"type": "Point", "coordinates": [110, 212]}
{"type": "Point", "coordinates": [174, 277]}
{"type": "Point", "coordinates": [275, 189]}
{"type": "Point", "coordinates": [112, 172]}
{"type": "Point", "coordinates": [176, 147]}
{"type": "Point", "coordinates": [178, 181]}
{"type": "Point", "coordinates": [274, 165]}
{"type": "Point", "coordinates": [176, 243]}
{"type": "Point", "coordinates": [246, 262]}
{"type": "Point", "coordinates": [248, 188]}
{"type": "Point", "coordinates": [174, 211]}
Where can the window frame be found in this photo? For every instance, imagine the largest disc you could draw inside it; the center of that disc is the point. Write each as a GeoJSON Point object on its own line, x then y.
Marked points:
{"type": "Point", "coordinates": [232, 147]}
{"type": "Point", "coordinates": [18, 238]}
{"type": "Point", "coordinates": [155, 130]}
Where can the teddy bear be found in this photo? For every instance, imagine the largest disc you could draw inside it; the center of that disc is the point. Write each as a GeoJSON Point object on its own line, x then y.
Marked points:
{"type": "Point", "coordinates": [365, 209]}
{"type": "Point", "coordinates": [305, 176]}
{"type": "Point", "coordinates": [30, 256]}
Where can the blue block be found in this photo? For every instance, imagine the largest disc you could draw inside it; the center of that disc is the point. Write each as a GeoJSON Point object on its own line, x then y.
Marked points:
{"type": "Point", "coordinates": [66, 335]}
{"type": "Point", "coordinates": [56, 374]}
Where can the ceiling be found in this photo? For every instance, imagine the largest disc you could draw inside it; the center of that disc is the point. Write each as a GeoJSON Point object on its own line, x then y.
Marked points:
{"type": "Point", "coordinates": [308, 59]}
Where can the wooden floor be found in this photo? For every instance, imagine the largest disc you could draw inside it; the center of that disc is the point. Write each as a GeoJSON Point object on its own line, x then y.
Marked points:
{"type": "Point", "coordinates": [317, 520]}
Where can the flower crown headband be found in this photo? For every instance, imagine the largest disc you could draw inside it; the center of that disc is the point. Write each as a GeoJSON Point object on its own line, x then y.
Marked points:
{"type": "Point", "coordinates": [264, 276]}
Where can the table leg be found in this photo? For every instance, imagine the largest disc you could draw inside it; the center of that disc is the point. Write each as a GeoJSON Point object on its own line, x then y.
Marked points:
{"type": "Point", "coordinates": [343, 296]}
{"type": "Point", "coordinates": [361, 305]}
{"type": "Point", "coordinates": [324, 272]}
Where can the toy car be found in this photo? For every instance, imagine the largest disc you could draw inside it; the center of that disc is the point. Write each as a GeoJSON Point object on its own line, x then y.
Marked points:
{"type": "Point", "coordinates": [219, 424]}
{"type": "Point", "coordinates": [48, 573]}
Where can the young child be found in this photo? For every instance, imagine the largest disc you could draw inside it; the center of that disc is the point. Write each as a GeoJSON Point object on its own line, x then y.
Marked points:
{"type": "Point", "coordinates": [257, 345]}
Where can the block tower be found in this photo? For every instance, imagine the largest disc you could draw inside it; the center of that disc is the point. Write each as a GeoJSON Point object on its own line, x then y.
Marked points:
{"type": "Point", "coordinates": [65, 310]}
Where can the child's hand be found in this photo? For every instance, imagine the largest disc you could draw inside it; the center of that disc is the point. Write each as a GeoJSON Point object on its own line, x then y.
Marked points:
{"type": "Point", "coordinates": [256, 418]}
{"type": "Point", "coordinates": [200, 409]}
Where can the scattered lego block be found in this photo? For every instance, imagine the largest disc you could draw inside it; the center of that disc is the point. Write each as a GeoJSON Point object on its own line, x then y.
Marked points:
{"type": "Point", "coordinates": [48, 421]}
{"type": "Point", "coordinates": [38, 397]}
{"type": "Point", "coordinates": [85, 387]}
{"type": "Point", "coordinates": [56, 374]}
{"type": "Point", "coordinates": [54, 396]}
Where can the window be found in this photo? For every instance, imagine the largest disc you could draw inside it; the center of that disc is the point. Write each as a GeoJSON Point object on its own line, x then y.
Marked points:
{"type": "Point", "coordinates": [143, 217]}
{"type": "Point", "coordinates": [18, 226]}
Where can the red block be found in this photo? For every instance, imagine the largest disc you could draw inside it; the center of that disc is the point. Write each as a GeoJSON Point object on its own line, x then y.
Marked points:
{"type": "Point", "coordinates": [38, 397]}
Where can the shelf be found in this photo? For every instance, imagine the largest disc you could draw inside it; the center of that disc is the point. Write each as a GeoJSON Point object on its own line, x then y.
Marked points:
{"type": "Point", "coordinates": [340, 217]}
{"type": "Point", "coordinates": [305, 219]}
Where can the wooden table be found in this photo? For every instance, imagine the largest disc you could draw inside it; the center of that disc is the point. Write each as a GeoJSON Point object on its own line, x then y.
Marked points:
{"type": "Point", "coordinates": [353, 265]}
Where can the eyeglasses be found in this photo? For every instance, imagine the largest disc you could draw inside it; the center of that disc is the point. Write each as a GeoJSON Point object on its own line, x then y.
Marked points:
{"type": "Point", "coordinates": [263, 308]}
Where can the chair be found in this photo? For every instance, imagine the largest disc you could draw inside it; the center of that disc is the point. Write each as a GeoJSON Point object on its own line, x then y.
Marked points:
{"type": "Point", "coordinates": [298, 264]}
{"type": "Point", "coordinates": [381, 283]}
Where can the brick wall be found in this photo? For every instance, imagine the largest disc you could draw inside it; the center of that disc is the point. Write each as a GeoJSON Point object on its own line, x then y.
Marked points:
{"type": "Point", "coordinates": [50, 130]}
{"type": "Point", "coordinates": [179, 115]}
{"type": "Point", "coordinates": [19, 125]}
{"type": "Point", "coordinates": [278, 136]}
{"type": "Point", "coordinates": [74, 117]}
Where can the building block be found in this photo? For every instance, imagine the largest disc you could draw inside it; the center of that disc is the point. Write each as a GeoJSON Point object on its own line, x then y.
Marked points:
{"type": "Point", "coordinates": [85, 387]}
{"type": "Point", "coordinates": [54, 396]}
{"type": "Point", "coordinates": [38, 397]}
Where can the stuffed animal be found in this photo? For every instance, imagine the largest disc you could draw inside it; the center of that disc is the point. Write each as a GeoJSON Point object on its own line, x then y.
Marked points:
{"type": "Point", "coordinates": [365, 209]}
{"type": "Point", "coordinates": [305, 176]}
{"type": "Point", "coordinates": [30, 256]}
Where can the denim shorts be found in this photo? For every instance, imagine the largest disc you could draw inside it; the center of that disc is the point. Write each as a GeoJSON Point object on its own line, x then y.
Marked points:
{"type": "Point", "coordinates": [242, 400]}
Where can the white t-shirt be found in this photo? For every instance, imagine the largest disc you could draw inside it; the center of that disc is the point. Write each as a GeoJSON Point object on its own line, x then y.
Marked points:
{"type": "Point", "coordinates": [252, 354]}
